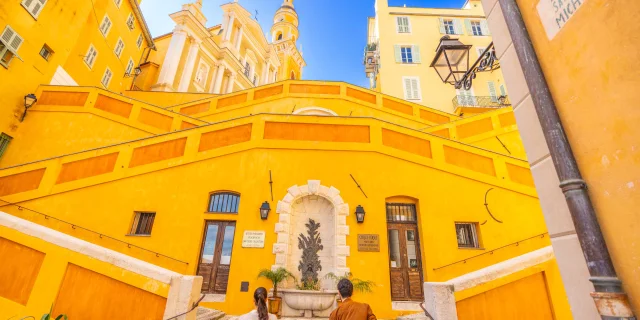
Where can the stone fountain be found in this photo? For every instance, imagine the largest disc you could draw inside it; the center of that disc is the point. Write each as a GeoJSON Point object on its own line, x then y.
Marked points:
{"type": "Point", "coordinates": [313, 301]}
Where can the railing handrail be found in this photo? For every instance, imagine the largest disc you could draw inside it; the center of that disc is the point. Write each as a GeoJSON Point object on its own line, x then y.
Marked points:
{"type": "Point", "coordinates": [501, 101]}
{"type": "Point", "coordinates": [74, 226]}
{"type": "Point", "coordinates": [491, 251]}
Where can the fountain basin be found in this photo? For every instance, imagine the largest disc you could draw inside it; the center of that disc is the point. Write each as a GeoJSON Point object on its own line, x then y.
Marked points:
{"type": "Point", "coordinates": [307, 303]}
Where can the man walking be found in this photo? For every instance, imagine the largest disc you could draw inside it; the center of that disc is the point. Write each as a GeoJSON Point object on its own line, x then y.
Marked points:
{"type": "Point", "coordinates": [349, 309]}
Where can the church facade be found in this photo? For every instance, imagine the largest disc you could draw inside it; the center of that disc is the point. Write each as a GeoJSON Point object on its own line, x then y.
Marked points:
{"type": "Point", "coordinates": [229, 57]}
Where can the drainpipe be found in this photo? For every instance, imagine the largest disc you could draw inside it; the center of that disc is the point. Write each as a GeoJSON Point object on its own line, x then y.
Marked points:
{"type": "Point", "coordinates": [611, 301]}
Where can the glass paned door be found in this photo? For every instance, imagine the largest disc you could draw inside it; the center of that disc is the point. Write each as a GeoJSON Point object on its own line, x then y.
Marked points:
{"type": "Point", "coordinates": [405, 262]}
{"type": "Point", "coordinates": [215, 256]}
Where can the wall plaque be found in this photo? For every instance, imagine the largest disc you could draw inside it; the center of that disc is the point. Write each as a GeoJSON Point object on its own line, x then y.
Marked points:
{"type": "Point", "coordinates": [369, 242]}
{"type": "Point", "coordinates": [554, 14]}
{"type": "Point", "coordinates": [253, 239]}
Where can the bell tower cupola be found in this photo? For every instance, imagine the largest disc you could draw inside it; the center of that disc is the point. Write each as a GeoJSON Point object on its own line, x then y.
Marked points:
{"type": "Point", "coordinates": [285, 23]}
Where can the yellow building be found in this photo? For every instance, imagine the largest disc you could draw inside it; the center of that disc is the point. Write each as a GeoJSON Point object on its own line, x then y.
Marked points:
{"type": "Point", "coordinates": [225, 58]}
{"type": "Point", "coordinates": [133, 205]}
{"type": "Point", "coordinates": [103, 43]}
{"type": "Point", "coordinates": [402, 43]}
{"type": "Point", "coordinates": [594, 119]}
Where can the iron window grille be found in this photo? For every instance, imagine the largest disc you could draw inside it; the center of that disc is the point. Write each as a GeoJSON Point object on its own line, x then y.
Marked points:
{"type": "Point", "coordinates": [467, 235]}
{"type": "Point", "coordinates": [4, 142]}
{"type": "Point", "coordinates": [46, 52]}
{"type": "Point", "coordinates": [401, 212]}
{"type": "Point", "coordinates": [142, 223]}
{"type": "Point", "coordinates": [224, 202]}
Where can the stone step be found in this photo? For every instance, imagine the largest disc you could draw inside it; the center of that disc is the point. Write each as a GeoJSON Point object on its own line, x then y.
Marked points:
{"type": "Point", "coordinates": [209, 314]}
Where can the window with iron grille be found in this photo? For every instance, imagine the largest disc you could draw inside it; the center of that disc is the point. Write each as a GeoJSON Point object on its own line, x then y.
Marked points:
{"type": "Point", "coordinates": [401, 212]}
{"type": "Point", "coordinates": [142, 223]}
{"type": "Point", "coordinates": [4, 142]}
{"type": "Point", "coordinates": [467, 235]}
{"type": "Point", "coordinates": [224, 202]}
{"type": "Point", "coordinates": [46, 52]}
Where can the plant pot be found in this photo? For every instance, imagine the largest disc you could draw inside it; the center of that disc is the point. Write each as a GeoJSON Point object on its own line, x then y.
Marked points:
{"type": "Point", "coordinates": [274, 305]}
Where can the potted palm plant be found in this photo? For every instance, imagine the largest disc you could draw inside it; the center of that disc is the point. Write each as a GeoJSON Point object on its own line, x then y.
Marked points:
{"type": "Point", "coordinates": [359, 285]}
{"type": "Point", "coordinates": [277, 276]}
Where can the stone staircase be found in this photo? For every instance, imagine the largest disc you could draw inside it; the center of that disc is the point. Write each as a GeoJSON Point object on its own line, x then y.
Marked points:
{"type": "Point", "coordinates": [211, 314]}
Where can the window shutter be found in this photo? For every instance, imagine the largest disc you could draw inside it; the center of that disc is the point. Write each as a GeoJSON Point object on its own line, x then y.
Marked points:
{"type": "Point", "coordinates": [480, 52]}
{"type": "Point", "coordinates": [467, 24]}
{"type": "Point", "coordinates": [415, 88]}
{"type": "Point", "coordinates": [398, 53]}
{"type": "Point", "coordinates": [485, 28]}
{"type": "Point", "coordinates": [492, 91]}
{"type": "Point", "coordinates": [442, 30]}
{"type": "Point", "coordinates": [27, 3]}
{"type": "Point", "coordinates": [39, 5]}
{"type": "Point", "coordinates": [407, 26]}
{"type": "Point", "coordinates": [457, 26]}
{"type": "Point", "coordinates": [415, 52]}
{"type": "Point", "coordinates": [399, 24]}
{"type": "Point", "coordinates": [11, 39]}
{"type": "Point", "coordinates": [407, 89]}
{"type": "Point", "coordinates": [503, 91]}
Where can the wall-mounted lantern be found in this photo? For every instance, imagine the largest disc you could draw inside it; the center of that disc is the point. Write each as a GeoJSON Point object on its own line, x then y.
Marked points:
{"type": "Point", "coordinates": [452, 60]}
{"type": "Point", "coordinates": [360, 214]}
{"type": "Point", "coordinates": [29, 100]}
{"type": "Point", "coordinates": [264, 210]}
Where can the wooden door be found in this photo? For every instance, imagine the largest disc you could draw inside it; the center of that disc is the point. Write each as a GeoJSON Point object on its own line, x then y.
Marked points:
{"type": "Point", "coordinates": [405, 262]}
{"type": "Point", "coordinates": [215, 255]}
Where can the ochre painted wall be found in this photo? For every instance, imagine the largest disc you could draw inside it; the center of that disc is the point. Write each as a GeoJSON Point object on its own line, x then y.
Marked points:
{"type": "Point", "coordinates": [67, 28]}
{"type": "Point", "coordinates": [46, 268]}
{"type": "Point", "coordinates": [591, 69]}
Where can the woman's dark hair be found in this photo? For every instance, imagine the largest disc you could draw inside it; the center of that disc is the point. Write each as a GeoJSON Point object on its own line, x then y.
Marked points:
{"type": "Point", "coordinates": [260, 298]}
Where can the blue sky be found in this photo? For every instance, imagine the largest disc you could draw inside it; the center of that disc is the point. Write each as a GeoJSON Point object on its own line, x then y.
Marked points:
{"type": "Point", "coordinates": [333, 51]}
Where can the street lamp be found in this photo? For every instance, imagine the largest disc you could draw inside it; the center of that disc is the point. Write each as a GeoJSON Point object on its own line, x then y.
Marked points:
{"type": "Point", "coordinates": [360, 214]}
{"type": "Point", "coordinates": [451, 61]}
{"type": "Point", "coordinates": [264, 210]}
{"type": "Point", "coordinates": [29, 100]}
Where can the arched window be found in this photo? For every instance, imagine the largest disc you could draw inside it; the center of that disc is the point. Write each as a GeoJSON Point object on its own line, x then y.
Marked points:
{"type": "Point", "coordinates": [279, 36]}
{"type": "Point", "coordinates": [224, 202]}
{"type": "Point", "coordinates": [293, 75]}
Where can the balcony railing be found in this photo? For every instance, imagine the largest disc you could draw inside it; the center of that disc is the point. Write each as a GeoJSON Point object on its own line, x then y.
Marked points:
{"type": "Point", "coordinates": [481, 101]}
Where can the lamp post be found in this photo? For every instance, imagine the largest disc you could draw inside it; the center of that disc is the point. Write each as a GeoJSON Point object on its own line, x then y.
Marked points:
{"type": "Point", "coordinates": [264, 210]}
{"type": "Point", "coordinates": [360, 214]}
{"type": "Point", "coordinates": [29, 100]}
{"type": "Point", "coordinates": [452, 62]}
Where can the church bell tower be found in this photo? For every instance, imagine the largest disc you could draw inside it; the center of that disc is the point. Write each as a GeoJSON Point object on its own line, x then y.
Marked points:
{"type": "Point", "coordinates": [284, 36]}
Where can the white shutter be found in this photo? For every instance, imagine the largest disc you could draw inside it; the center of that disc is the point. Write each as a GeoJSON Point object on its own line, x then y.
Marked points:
{"type": "Point", "coordinates": [11, 39]}
{"type": "Point", "coordinates": [407, 89]}
{"type": "Point", "coordinates": [441, 25]}
{"type": "Point", "coordinates": [129, 67]}
{"type": "Point", "coordinates": [457, 26]}
{"type": "Point", "coordinates": [407, 26]}
{"type": "Point", "coordinates": [485, 28]}
{"type": "Point", "coordinates": [139, 43]}
{"type": "Point", "coordinates": [415, 52]}
{"type": "Point", "coordinates": [27, 3]}
{"type": "Point", "coordinates": [415, 88]}
{"type": "Point", "coordinates": [503, 91]}
{"type": "Point", "coordinates": [38, 7]}
{"type": "Point", "coordinates": [399, 24]}
{"type": "Point", "coordinates": [398, 53]}
{"type": "Point", "coordinates": [106, 78]}
{"type": "Point", "coordinates": [492, 91]}
{"type": "Point", "coordinates": [91, 56]}
{"type": "Point", "coordinates": [467, 24]}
